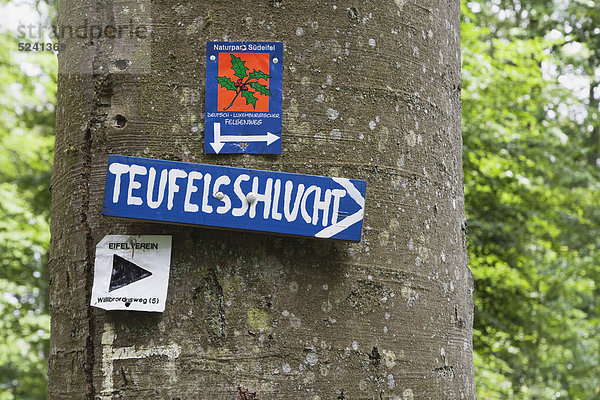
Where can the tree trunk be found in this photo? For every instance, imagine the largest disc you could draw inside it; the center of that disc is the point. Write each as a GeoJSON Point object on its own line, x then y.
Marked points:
{"type": "Point", "coordinates": [371, 91]}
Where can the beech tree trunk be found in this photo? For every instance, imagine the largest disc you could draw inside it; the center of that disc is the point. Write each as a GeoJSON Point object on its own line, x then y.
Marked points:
{"type": "Point", "coordinates": [371, 91]}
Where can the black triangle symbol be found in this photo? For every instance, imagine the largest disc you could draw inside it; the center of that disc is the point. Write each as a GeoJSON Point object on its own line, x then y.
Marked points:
{"type": "Point", "coordinates": [125, 272]}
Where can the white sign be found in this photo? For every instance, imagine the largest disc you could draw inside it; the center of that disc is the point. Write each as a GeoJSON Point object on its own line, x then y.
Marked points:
{"type": "Point", "coordinates": [132, 273]}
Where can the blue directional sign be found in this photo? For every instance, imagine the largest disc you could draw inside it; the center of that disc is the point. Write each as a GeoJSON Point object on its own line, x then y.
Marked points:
{"type": "Point", "coordinates": [237, 198]}
{"type": "Point", "coordinates": [243, 97]}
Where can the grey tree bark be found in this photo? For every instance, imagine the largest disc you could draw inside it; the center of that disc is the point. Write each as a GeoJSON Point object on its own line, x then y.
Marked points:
{"type": "Point", "coordinates": [371, 91]}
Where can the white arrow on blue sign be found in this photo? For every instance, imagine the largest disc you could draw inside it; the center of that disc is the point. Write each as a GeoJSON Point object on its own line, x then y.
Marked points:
{"type": "Point", "coordinates": [235, 198]}
{"type": "Point", "coordinates": [220, 140]}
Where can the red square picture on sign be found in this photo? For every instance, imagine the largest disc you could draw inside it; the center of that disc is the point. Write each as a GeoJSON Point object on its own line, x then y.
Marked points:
{"type": "Point", "coordinates": [243, 82]}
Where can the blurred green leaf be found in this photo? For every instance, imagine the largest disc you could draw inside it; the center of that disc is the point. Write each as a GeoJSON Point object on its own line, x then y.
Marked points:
{"type": "Point", "coordinates": [27, 97]}
{"type": "Point", "coordinates": [532, 200]}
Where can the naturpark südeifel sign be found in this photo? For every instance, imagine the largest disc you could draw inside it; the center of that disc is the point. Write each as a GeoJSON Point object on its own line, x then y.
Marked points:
{"type": "Point", "coordinates": [243, 97]}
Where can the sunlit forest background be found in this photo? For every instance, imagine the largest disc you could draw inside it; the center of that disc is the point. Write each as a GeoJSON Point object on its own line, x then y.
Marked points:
{"type": "Point", "coordinates": [531, 128]}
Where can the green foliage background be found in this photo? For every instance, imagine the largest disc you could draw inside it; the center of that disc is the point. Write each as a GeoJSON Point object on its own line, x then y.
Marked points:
{"type": "Point", "coordinates": [532, 184]}
{"type": "Point", "coordinates": [27, 97]}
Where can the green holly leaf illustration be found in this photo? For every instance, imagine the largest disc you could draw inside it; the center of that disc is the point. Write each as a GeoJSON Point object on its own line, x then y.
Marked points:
{"type": "Point", "coordinates": [226, 83]}
{"type": "Point", "coordinates": [238, 66]}
{"type": "Point", "coordinates": [249, 96]}
{"type": "Point", "coordinates": [260, 88]}
{"type": "Point", "coordinates": [258, 75]}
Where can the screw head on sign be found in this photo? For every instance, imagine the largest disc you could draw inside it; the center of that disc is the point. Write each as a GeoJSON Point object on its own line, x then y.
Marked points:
{"type": "Point", "coordinates": [275, 60]}
{"type": "Point", "coordinates": [219, 195]}
{"type": "Point", "coordinates": [251, 197]}
{"type": "Point", "coordinates": [213, 58]}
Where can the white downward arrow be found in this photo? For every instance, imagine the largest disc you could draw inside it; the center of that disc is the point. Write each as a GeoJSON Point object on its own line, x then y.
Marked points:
{"type": "Point", "coordinates": [349, 220]}
{"type": "Point", "coordinates": [219, 141]}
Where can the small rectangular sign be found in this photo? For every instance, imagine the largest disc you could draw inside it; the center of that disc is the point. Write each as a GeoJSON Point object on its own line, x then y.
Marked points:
{"type": "Point", "coordinates": [132, 273]}
{"type": "Point", "coordinates": [243, 97]}
{"type": "Point", "coordinates": [236, 198]}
